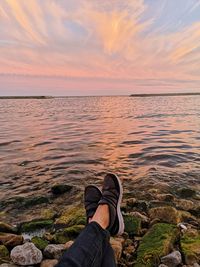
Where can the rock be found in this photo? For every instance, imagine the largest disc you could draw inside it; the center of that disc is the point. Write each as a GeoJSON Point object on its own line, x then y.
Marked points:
{"type": "Point", "coordinates": [26, 254]}
{"type": "Point", "coordinates": [10, 240]}
{"type": "Point", "coordinates": [71, 216]}
{"type": "Point", "coordinates": [117, 245]}
{"type": "Point", "coordinates": [182, 227]}
{"type": "Point", "coordinates": [48, 214]}
{"type": "Point", "coordinates": [156, 243]}
{"type": "Point", "coordinates": [162, 265]}
{"type": "Point", "coordinates": [48, 236]}
{"type": "Point", "coordinates": [7, 228]}
{"type": "Point", "coordinates": [184, 204]}
{"type": "Point", "coordinates": [141, 205]}
{"type": "Point", "coordinates": [166, 214]}
{"type": "Point", "coordinates": [165, 197]}
{"type": "Point", "coordinates": [68, 244]}
{"type": "Point", "coordinates": [186, 192]}
{"type": "Point", "coordinates": [190, 245]}
{"type": "Point", "coordinates": [173, 259]}
{"type": "Point", "coordinates": [8, 265]}
{"type": "Point", "coordinates": [48, 263]}
{"type": "Point", "coordinates": [39, 242]}
{"type": "Point", "coordinates": [68, 233]}
{"type": "Point", "coordinates": [4, 253]}
{"type": "Point", "coordinates": [35, 225]}
{"type": "Point", "coordinates": [54, 251]}
{"type": "Point", "coordinates": [59, 189]}
{"type": "Point", "coordinates": [132, 225]}
{"type": "Point", "coordinates": [130, 202]}
{"type": "Point", "coordinates": [186, 216]}
{"type": "Point", "coordinates": [30, 202]}
{"type": "Point", "coordinates": [144, 218]}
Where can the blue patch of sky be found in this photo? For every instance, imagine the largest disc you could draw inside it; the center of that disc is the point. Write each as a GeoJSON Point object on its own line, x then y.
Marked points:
{"type": "Point", "coordinates": [171, 16]}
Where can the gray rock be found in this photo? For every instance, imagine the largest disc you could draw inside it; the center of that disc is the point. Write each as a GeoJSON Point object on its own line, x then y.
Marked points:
{"type": "Point", "coordinates": [54, 251]}
{"type": "Point", "coordinates": [26, 254]}
{"type": "Point", "coordinates": [173, 259]}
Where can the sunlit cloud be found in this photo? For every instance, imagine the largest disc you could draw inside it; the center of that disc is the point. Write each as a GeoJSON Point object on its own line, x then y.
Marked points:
{"type": "Point", "coordinates": [103, 40]}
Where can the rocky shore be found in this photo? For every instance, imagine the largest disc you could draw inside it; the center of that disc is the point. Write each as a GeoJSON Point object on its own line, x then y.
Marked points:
{"type": "Point", "coordinates": [162, 227]}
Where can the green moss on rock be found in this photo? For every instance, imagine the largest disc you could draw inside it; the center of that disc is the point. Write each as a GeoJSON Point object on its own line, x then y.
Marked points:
{"type": "Point", "coordinates": [4, 254]}
{"type": "Point", "coordinates": [156, 243]}
{"type": "Point", "coordinates": [59, 189]}
{"type": "Point", "coordinates": [187, 192]}
{"type": "Point", "coordinates": [190, 245]}
{"type": "Point", "coordinates": [166, 214]}
{"type": "Point", "coordinates": [132, 225]}
{"type": "Point", "coordinates": [39, 242]}
{"type": "Point", "coordinates": [72, 216]}
{"type": "Point", "coordinates": [48, 214]}
{"type": "Point", "coordinates": [68, 234]}
{"type": "Point", "coordinates": [35, 225]}
{"type": "Point", "coordinates": [29, 202]}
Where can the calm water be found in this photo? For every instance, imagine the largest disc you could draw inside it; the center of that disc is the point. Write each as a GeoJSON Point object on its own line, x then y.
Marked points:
{"type": "Point", "coordinates": [76, 140]}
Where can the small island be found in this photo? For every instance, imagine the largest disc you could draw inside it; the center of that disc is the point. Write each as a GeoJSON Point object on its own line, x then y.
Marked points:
{"type": "Point", "coordinates": [165, 94]}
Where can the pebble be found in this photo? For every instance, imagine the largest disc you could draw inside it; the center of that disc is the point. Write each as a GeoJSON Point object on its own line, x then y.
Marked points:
{"type": "Point", "coordinates": [48, 263]}
{"type": "Point", "coordinates": [54, 251]}
{"type": "Point", "coordinates": [26, 254]}
{"type": "Point", "coordinates": [173, 259]}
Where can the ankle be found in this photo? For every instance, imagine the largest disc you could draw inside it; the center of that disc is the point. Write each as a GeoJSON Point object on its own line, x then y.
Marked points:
{"type": "Point", "coordinates": [102, 216]}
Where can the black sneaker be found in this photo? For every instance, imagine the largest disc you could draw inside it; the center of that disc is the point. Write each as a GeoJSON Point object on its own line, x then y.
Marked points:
{"type": "Point", "coordinates": [92, 197]}
{"type": "Point", "coordinates": [112, 196]}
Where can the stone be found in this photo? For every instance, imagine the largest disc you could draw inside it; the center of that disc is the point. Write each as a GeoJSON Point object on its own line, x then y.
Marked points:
{"type": "Point", "coordinates": [132, 225]}
{"type": "Point", "coordinates": [48, 214]}
{"type": "Point", "coordinates": [8, 265]}
{"type": "Point", "coordinates": [35, 225]}
{"type": "Point", "coordinates": [26, 254]}
{"type": "Point", "coordinates": [156, 243]}
{"type": "Point", "coordinates": [68, 244]}
{"type": "Point", "coordinates": [67, 234]}
{"type": "Point", "coordinates": [39, 242]}
{"type": "Point", "coordinates": [165, 197]}
{"type": "Point", "coordinates": [173, 259]}
{"type": "Point", "coordinates": [190, 246]}
{"type": "Point", "coordinates": [54, 251]}
{"type": "Point", "coordinates": [71, 216]}
{"type": "Point", "coordinates": [141, 205]}
{"type": "Point", "coordinates": [33, 201]}
{"type": "Point", "coordinates": [117, 245]}
{"type": "Point", "coordinates": [59, 189]}
{"type": "Point", "coordinates": [184, 204]}
{"type": "Point", "coordinates": [4, 253]}
{"type": "Point", "coordinates": [7, 228]}
{"type": "Point", "coordinates": [48, 263]}
{"type": "Point", "coordinates": [166, 214]}
{"type": "Point", "coordinates": [144, 218]}
{"type": "Point", "coordinates": [11, 240]}
{"type": "Point", "coordinates": [162, 265]}
{"type": "Point", "coordinates": [186, 192]}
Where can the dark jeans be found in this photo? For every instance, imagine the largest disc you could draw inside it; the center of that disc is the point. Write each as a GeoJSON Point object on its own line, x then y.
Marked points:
{"type": "Point", "coordinates": [90, 249]}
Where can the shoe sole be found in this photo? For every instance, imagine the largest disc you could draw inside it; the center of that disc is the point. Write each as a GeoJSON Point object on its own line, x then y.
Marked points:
{"type": "Point", "coordinates": [119, 214]}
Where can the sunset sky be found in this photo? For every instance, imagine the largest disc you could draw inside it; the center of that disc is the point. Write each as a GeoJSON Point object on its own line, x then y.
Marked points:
{"type": "Point", "coordinates": [96, 47]}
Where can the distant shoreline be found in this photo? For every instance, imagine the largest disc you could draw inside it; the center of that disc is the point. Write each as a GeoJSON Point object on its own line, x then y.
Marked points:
{"type": "Point", "coordinates": [25, 97]}
{"type": "Point", "coordinates": [166, 94]}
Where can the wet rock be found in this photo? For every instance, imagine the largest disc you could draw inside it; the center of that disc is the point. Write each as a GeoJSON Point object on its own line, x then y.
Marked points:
{"type": "Point", "coordinates": [141, 205]}
{"type": "Point", "coordinates": [48, 214]}
{"type": "Point", "coordinates": [165, 197]}
{"type": "Point", "coordinates": [10, 240]}
{"type": "Point", "coordinates": [67, 234]}
{"type": "Point", "coordinates": [132, 225]}
{"type": "Point", "coordinates": [156, 243]}
{"type": "Point", "coordinates": [182, 227]}
{"type": "Point", "coordinates": [71, 216]}
{"type": "Point", "coordinates": [54, 251]}
{"type": "Point", "coordinates": [7, 228]}
{"type": "Point", "coordinates": [173, 259]}
{"type": "Point", "coordinates": [190, 246]}
{"type": "Point", "coordinates": [186, 192]}
{"type": "Point", "coordinates": [59, 189]}
{"type": "Point", "coordinates": [37, 200]}
{"type": "Point", "coordinates": [4, 254]}
{"type": "Point", "coordinates": [184, 204]}
{"type": "Point", "coordinates": [26, 254]}
{"type": "Point", "coordinates": [35, 225]}
{"type": "Point", "coordinates": [48, 263]}
{"type": "Point", "coordinates": [117, 245]}
{"type": "Point", "coordinates": [166, 214]}
{"type": "Point", "coordinates": [39, 242]}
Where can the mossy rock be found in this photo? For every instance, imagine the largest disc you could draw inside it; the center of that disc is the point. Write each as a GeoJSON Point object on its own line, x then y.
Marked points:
{"type": "Point", "coordinates": [72, 216]}
{"type": "Point", "coordinates": [165, 214]}
{"type": "Point", "coordinates": [39, 242]}
{"type": "Point", "coordinates": [4, 254]}
{"type": "Point", "coordinates": [35, 225]}
{"type": "Point", "coordinates": [59, 189]}
{"type": "Point", "coordinates": [29, 202]}
{"type": "Point", "coordinates": [190, 246]}
{"type": "Point", "coordinates": [132, 225]}
{"type": "Point", "coordinates": [68, 234]}
{"type": "Point", "coordinates": [48, 214]}
{"type": "Point", "coordinates": [7, 228]}
{"type": "Point", "coordinates": [186, 192]}
{"type": "Point", "coordinates": [156, 243]}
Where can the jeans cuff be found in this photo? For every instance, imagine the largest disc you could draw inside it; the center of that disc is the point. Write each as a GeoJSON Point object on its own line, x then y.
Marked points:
{"type": "Point", "coordinates": [105, 233]}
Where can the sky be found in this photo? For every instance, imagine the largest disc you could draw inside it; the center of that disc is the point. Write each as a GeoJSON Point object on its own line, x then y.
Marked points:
{"type": "Point", "coordinates": [93, 47]}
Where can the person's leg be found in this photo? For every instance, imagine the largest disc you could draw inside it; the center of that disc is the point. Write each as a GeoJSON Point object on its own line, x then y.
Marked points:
{"type": "Point", "coordinates": [92, 247]}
